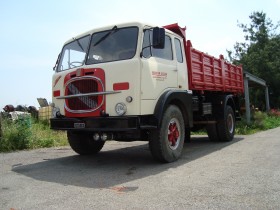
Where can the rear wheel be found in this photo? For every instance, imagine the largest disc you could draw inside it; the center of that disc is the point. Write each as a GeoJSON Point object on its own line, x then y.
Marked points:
{"type": "Point", "coordinates": [212, 132]}
{"type": "Point", "coordinates": [226, 127]}
{"type": "Point", "coordinates": [166, 143]}
{"type": "Point", "coordinates": [84, 144]}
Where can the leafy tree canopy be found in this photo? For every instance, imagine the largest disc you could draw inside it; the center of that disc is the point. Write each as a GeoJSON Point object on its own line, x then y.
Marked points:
{"type": "Point", "coordinates": [260, 53]}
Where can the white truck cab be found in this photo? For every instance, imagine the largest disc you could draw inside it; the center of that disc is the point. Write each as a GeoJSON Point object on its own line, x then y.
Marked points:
{"type": "Point", "coordinates": [130, 73]}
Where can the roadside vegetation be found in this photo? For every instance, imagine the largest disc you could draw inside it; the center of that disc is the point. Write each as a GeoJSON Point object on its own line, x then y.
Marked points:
{"type": "Point", "coordinates": [33, 134]}
{"type": "Point", "coordinates": [261, 121]}
{"type": "Point", "coordinates": [29, 134]}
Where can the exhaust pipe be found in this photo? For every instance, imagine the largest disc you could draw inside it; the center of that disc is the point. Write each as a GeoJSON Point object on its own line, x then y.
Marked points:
{"type": "Point", "coordinates": [96, 137]}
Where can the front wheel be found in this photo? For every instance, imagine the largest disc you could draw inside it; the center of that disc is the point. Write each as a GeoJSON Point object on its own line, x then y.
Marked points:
{"type": "Point", "coordinates": [84, 144]}
{"type": "Point", "coordinates": [166, 143]}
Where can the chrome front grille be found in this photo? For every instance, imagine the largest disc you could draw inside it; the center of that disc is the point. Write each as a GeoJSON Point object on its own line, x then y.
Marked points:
{"type": "Point", "coordinates": [83, 85]}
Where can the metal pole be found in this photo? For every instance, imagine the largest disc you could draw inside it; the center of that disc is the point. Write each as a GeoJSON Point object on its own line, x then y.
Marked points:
{"type": "Point", "coordinates": [247, 100]}
{"type": "Point", "coordinates": [267, 99]}
{"type": "Point", "coordinates": [1, 133]}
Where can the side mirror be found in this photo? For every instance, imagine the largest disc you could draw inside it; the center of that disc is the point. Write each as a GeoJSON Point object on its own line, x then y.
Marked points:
{"type": "Point", "coordinates": [158, 37]}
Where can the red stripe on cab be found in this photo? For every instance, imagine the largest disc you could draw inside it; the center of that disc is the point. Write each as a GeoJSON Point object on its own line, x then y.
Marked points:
{"type": "Point", "coordinates": [56, 93]}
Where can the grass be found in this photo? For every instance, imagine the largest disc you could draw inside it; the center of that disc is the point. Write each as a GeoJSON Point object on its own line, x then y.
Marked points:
{"type": "Point", "coordinates": [29, 134]}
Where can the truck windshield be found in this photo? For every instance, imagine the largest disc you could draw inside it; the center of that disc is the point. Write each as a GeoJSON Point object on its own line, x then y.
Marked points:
{"type": "Point", "coordinates": [73, 54]}
{"type": "Point", "coordinates": [113, 45]}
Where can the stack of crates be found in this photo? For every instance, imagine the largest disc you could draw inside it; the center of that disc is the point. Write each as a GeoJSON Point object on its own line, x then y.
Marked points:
{"type": "Point", "coordinates": [45, 110]}
{"type": "Point", "coordinates": [45, 113]}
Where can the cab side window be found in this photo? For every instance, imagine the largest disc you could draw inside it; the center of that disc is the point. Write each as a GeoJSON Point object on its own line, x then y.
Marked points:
{"type": "Point", "coordinates": [178, 49]}
{"type": "Point", "coordinates": [148, 50]}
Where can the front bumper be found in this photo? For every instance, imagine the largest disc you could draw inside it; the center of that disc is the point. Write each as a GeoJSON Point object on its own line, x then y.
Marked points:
{"type": "Point", "coordinates": [105, 124]}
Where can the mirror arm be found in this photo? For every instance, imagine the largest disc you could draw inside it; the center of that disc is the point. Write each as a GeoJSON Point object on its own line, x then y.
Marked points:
{"type": "Point", "coordinates": [56, 63]}
{"type": "Point", "coordinates": [141, 54]}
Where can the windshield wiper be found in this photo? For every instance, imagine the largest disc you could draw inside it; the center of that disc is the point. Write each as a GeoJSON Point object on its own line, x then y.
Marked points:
{"type": "Point", "coordinates": [79, 43]}
{"type": "Point", "coordinates": [106, 35]}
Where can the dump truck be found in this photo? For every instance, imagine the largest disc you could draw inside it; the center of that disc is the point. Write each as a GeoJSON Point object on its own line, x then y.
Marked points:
{"type": "Point", "coordinates": [139, 82]}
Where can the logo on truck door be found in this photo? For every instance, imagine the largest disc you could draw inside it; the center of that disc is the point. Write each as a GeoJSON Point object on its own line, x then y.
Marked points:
{"type": "Point", "coordinates": [160, 76]}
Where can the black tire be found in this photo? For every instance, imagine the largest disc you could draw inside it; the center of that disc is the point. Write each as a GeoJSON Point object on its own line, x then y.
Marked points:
{"type": "Point", "coordinates": [226, 127]}
{"type": "Point", "coordinates": [212, 132]}
{"type": "Point", "coordinates": [84, 144]}
{"type": "Point", "coordinates": [166, 143]}
{"type": "Point", "coordinates": [187, 135]}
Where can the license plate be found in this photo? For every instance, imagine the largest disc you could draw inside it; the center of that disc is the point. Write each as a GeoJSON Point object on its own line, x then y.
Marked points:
{"type": "Point", "coordinates": [79, 125]}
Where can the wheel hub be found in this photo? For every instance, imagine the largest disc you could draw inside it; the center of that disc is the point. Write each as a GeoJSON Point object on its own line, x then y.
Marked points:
{"type": "Point", "coordinates": [230, 123]}
{"type": "Point", "coordinates": [173, 134]}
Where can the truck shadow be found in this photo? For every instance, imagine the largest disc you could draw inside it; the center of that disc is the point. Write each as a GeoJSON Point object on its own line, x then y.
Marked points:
{"type": "Point", "coordinates": [114, 167]}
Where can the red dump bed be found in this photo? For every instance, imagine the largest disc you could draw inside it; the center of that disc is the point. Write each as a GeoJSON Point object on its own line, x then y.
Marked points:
{"type": "Point", "coordinates": [207, 73]}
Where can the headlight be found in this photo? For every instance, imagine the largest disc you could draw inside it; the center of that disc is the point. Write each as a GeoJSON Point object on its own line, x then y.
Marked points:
{"type": "Point", "coordinates": [120, 109]}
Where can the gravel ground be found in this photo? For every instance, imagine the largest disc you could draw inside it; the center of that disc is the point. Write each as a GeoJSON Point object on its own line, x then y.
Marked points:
{"type": "Point", "coordinates": [242, 174]}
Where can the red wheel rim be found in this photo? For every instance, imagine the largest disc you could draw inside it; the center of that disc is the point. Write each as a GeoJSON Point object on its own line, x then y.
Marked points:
{"type": "Point", "coordinates": [173, 133]}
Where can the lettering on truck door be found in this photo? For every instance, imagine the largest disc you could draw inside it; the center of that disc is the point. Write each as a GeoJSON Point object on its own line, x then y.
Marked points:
{"type": "Point", "coordinates": [159, 69]}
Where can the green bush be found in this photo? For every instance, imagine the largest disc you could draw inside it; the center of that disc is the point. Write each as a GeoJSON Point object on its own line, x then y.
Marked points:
{"type": "Point", "coordinates": [242, 128]}
{"type": "Point", "coordinates": [29, 134]}
{"type": "Point", "coordinates": [15, 135]}
{"type": "Point", "coordinates": [259, 119]}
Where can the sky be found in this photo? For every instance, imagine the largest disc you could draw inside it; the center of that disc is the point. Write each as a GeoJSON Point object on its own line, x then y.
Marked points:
{"type": "Point", "coordinates": [33, 32]}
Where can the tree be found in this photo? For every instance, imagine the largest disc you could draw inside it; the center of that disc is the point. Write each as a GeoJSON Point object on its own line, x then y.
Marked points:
{"type": "Point", "coordinates": [260, 54]}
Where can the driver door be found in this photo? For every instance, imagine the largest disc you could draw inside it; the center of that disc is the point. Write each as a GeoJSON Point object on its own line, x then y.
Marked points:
{"type": "Point", "coordinates": [159, 69]}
